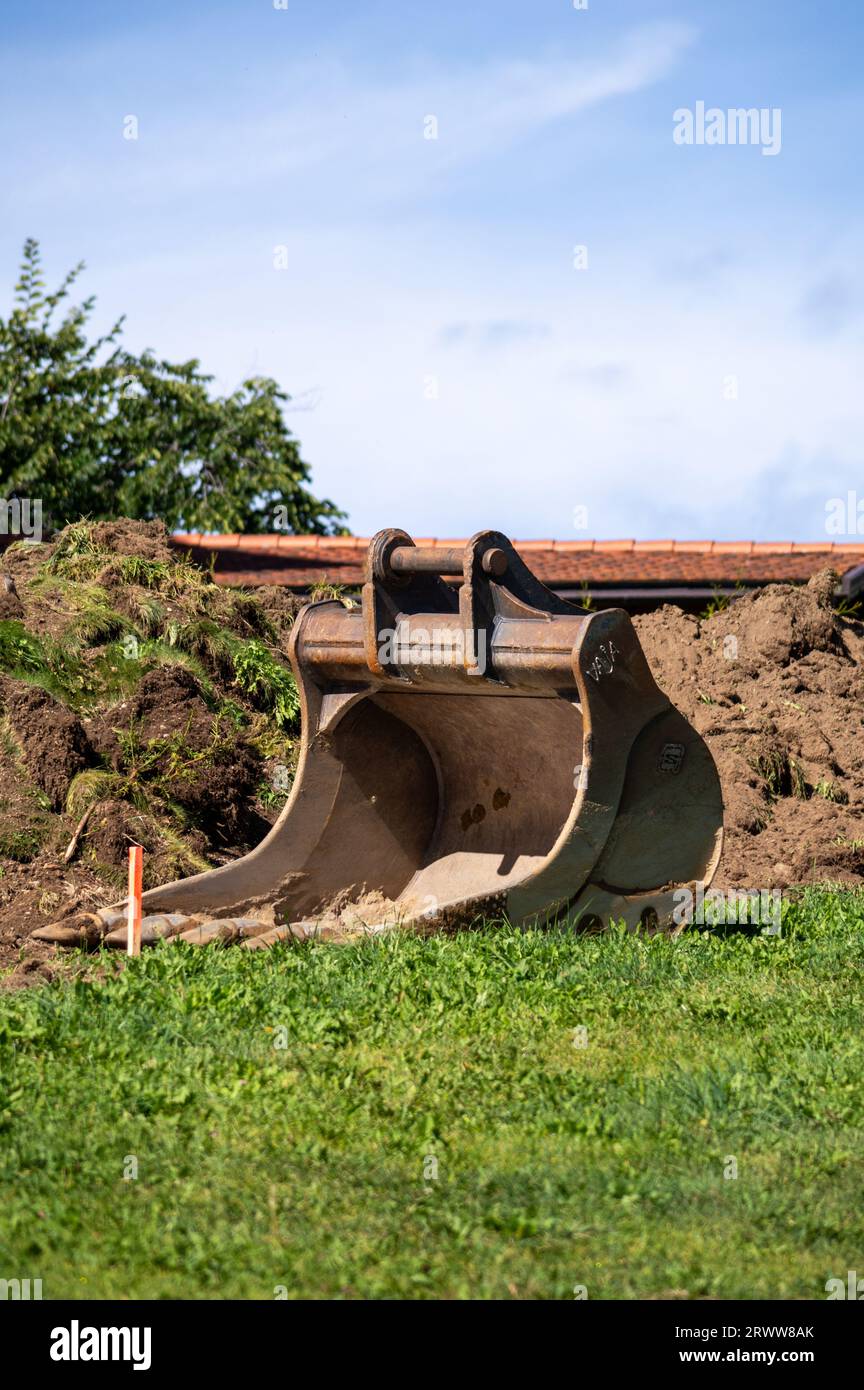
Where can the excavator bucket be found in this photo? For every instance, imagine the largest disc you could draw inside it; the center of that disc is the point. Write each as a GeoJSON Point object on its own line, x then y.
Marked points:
{"type": "Point", "coordinates": [468, 751]}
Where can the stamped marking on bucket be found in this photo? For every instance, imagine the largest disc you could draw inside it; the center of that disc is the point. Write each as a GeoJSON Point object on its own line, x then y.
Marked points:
{"type": "Point", "coordinates": [604, 662]}
{"type": "Point", "coordinates": [671, 757]}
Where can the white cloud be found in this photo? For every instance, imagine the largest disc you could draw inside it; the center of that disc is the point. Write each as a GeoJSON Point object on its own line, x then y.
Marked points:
{"type": "Point", "coordinates": [310, 127]}
{"type": "Point", "coordinates": [493, 334]}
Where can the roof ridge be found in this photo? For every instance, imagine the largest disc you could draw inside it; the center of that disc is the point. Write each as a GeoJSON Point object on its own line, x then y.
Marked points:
{"type": "Point", "coordinates": [278, 540]}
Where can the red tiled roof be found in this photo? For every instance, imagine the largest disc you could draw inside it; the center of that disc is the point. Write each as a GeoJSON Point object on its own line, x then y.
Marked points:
{"type": "Point", "coordinates": [300, 561]}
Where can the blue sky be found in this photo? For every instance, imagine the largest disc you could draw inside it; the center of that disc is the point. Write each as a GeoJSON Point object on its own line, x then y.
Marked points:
{"type": "Point", "coordinates": [282, 213]}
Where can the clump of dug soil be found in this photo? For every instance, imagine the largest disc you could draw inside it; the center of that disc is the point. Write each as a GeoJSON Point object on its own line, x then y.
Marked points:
{"type": "Point", "coordinates": [775, 685]}
{"type": "Point", "coordinates": [53, 744]}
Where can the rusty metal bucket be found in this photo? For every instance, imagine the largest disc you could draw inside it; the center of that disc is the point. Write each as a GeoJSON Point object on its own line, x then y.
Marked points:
{"type": "Point", "coordinates": [482, 751]}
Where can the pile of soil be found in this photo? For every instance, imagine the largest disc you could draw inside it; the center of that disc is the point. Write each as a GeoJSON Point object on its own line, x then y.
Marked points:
{"type": "Point", "coordinates": [170, 750]}
{"type": "Point", "coordinates": [53, 744]}
{"type": "Point", "coordinates": [219, 791]}
{"type": "Point", "coordinates": [775, 685]}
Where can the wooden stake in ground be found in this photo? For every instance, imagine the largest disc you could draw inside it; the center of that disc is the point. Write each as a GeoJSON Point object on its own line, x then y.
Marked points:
{"type": "Point", "coordinates": [133, 941]}
{"type": "Point", "coordinates": [72, 847]}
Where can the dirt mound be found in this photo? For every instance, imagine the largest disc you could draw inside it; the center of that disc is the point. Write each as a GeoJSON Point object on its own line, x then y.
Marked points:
{"type": "Point", "coordinates": [10, 603]}
{"type": "Point", "coordinates": [167, 701]}
{"type": "Point", "coordinates": [147, 539]}
{"type": "Point", "coordinates": [53, 744]}
{"type": "Point", "coordinates": [775, 685]}
{"type": "Point", "coordinates": [168, 725]}
{"type": "Point", "coordinates": [139, 703]}
{"type": "Point", "coordinates": [112, 828]}
{"type": "Point", "coordinates": [280, 606]}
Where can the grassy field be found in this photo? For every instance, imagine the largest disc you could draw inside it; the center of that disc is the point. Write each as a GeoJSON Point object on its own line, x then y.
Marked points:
{"type": "Point", "coordinates": [492, 1115]}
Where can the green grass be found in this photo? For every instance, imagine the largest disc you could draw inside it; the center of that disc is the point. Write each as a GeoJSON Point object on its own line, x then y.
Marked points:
{"type": "Point", "coordinates": [22, 845]}
{"type": "Point", "coordinates": [266, 682]}
{"type": "Point", "coordinates": [288, 1110]}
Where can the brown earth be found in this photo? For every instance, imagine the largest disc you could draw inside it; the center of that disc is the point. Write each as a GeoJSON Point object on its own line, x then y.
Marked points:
{"type": "Point", "coordinates": [52, 740]}
{"type": "Point", "coordinates": [10, 602]}
{"type": "Point", "coordinates": [217, 792]}
{"type": "Point", "coordinates": [775, 685]}
{"type": "Point", "coordinates": [281, 606]}
{"type": "Point", "coordinates": [147, 539]}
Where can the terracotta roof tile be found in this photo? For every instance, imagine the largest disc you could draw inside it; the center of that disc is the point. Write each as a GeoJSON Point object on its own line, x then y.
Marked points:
{"type": "Point", "coordinates": [258, 542]}
{"type": "Point", "coordinates": [732, 547]}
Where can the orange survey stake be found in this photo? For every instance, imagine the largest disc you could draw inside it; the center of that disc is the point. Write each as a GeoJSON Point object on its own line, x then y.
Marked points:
{"type": "Point", "coordinates": [136, 857]}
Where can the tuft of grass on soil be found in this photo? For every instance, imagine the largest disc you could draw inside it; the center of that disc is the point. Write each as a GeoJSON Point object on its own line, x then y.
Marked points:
{"type": "Point", "coordinates": [782, 774]}
{"type": "Point", "coordinates": [23, 843]}
{"type": "Point", "coordinates": [175, 615]}
{"type": "Point", "coordinates": [493, 1114]}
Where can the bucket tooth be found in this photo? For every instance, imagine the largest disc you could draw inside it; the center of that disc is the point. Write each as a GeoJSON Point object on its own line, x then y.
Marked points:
{"type": "Point", "coordinates": [267, 938]}
{"type": "Point", "coordinates": [480, 750]}
{"type": "Point", "coordinates": [111, 916]}
{"type": "Point", "coordinates": [224, 930]}
{"type": "Point", "coordinates": [156, 927]}
{"type": "Point", "coordinates": [84, 929]}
